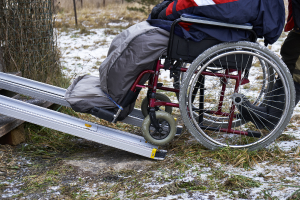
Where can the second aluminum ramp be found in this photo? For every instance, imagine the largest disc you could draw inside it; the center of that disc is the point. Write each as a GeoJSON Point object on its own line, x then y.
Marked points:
{"type": "Point", "coordinates": [77, 127]}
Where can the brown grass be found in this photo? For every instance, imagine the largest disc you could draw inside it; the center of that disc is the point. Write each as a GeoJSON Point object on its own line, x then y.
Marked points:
{"type": "Point", "coordinates": [94, 17]}
{"type": "Point", "coordinates": [68, 5]}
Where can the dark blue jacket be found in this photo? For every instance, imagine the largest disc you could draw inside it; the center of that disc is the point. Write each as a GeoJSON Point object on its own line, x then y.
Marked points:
{"type": "Point", "coordinates": [266, 16]}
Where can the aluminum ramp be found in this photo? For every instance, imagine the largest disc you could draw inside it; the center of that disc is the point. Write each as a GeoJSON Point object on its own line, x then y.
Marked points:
{"type": "Point", "coordinates": [81, 128]}
{"type": "Point", "coordinates": [55, 94]}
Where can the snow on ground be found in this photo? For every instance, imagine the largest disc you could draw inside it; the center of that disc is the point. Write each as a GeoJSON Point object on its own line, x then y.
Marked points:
{"type": "Point", "coordinates": [83, 54]}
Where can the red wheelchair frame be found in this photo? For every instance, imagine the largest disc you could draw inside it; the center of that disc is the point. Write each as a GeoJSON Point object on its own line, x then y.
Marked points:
{"type": "Point", "coordinates": [153, 87]}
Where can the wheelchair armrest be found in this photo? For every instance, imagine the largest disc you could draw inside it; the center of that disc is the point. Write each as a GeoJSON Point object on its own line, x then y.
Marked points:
{"type": "Point", "coordinates": [204, 20]}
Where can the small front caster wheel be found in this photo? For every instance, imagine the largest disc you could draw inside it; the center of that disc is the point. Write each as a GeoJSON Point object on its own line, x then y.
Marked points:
{"type": "Point", "coordinates": [167, 129]}
{"type": "Point", "coordinates": [159, 97]}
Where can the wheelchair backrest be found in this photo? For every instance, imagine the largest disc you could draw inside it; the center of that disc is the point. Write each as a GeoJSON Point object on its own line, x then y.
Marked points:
{"type": "Point", "coordinates": [188, 50]}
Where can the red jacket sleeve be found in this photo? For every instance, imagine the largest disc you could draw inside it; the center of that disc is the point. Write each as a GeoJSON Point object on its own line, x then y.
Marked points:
{"type": "Point", "coordinates": [290, 20]}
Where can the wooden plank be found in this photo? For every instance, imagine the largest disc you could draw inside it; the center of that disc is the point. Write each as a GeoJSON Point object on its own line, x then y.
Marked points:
{"type": "Point", "coordinates": [14, 137]}
{"type": "Point", "coordinates": [8, 124]}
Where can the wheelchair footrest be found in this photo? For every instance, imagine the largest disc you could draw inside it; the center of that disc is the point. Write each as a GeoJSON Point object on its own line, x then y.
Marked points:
{"type": "Point", "coordinates": [254, 134]}
{"type": "Point", "coordinates": [102, 114]}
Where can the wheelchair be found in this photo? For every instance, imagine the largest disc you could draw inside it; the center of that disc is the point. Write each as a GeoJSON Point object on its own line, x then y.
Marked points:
{"type": "Point", "coordinates": [213, 90]}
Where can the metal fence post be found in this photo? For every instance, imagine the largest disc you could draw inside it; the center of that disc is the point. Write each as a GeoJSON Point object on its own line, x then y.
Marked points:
{"type": "Point", "coordinates": [75, 12]}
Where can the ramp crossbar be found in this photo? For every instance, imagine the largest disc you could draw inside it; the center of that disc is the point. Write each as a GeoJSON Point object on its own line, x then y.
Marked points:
{"type": "Point", "coordinates": [81, 128]}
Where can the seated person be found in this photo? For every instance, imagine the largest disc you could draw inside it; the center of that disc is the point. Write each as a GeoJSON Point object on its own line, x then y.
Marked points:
{"type": "Point", "coordinates": [266, 16]}
{"type": "Point", "coordinates": [137, 48]}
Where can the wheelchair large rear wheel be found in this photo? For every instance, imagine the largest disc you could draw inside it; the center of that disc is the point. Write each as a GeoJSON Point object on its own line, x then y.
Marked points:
{"type": "Point", "coordinates": [239, 95]}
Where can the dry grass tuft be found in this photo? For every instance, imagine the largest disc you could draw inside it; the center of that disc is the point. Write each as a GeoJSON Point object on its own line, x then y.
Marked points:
{"type": "Point", "coordinates": [295, 118]}
{"type": "Point", "coordinates": [185, 148]}
{"type": "Point", "coordinates": [237, 182]}
{"type": "Point", "coordinates": [286, 137]}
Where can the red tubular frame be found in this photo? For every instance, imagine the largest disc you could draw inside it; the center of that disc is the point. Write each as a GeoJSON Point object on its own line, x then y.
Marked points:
{"type": "Point", "coordinates": [222, 94]}
{"type": "Point", "coordinates": [234, 131]}
{"type": "Point", "coordinates": [162, 103]}
{"type": "Point", "coordinates": [152, 84]}
{"type": "Point", "coordinates": [135, 84]}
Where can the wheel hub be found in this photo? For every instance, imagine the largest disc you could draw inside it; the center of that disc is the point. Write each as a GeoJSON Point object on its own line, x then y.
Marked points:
{"type": "Point", "coordinates": [162, 133]}
{"type": "Point", "coordinates": [237, 98]}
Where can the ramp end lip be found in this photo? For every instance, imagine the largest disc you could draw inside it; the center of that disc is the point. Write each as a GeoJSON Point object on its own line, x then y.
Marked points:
{"type": "Point", "coordinates": [160, 154]}
{"type": "Point", "coordinates": [178, 131]}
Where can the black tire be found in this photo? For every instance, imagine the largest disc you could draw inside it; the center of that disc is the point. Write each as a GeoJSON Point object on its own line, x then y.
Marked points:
{"type": "Point", "coordinates": [167, 125]}
{"type": "Point", "coordinates": [159, 97]}
{"type": "Point", "coordinates": [207, 61]}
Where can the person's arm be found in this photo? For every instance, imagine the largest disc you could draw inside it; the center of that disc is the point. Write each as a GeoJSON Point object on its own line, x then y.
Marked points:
{"type": "Point", "coordinates": [158, 8]}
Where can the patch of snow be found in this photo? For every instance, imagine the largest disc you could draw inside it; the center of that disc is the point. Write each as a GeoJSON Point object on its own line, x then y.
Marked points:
{"type": "Point", "coordinates": [83, 54]}
{"type": "Point", "coordinates": [123, 24]}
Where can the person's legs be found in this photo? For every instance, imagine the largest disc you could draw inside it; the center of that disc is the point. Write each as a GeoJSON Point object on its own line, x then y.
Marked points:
{"type": "Point", "coordinates": [290, 53]}
{"type": "Point", "coordinates": [268, 114]}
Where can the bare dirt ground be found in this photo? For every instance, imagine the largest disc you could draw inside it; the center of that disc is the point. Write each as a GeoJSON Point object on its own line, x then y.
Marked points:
{"type": "Point", "coordinates": [80, 169]}
{"type": "Point", "coordinates": [63, 175]}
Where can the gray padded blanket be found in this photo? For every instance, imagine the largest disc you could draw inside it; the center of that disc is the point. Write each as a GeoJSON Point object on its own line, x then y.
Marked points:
{"type": "Point", "coordinates": [85, 93]}
{"type": "Point", "coordinates": [132, 51]}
